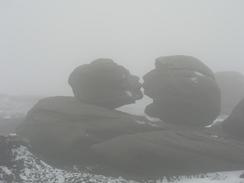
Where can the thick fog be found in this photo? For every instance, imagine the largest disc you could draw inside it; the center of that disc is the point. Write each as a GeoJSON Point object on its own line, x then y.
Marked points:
{"type": "Point", "coordinates": [41, 42]}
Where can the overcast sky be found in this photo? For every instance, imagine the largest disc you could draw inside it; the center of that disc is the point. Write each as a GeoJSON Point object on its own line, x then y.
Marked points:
{"type": "Point", "coordinates": [42, 41]}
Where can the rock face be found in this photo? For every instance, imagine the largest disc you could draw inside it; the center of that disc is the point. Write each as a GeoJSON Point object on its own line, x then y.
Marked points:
{"type": "Point", "coordinates": [62, 129]}
{"type": "Point", "coordinates": [231, 84]}
{"type": "Point", "coordinates": [184, 91]}
{"type": "Point", "coordinates": [105, 83]}
{"type": "Point", "coordinates": [171, 152]}
{"type": "Point", "coordinates": [234, 124]}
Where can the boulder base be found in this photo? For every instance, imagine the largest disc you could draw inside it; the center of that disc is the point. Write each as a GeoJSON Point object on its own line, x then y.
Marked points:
{"type": "Point", "coordinates": [62, 129]}
{"type": "Point", "coordinates": [171, 152]}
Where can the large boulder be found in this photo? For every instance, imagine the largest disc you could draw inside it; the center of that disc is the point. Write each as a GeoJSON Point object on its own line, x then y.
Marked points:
{"type": "Point", "coordinates": [170, 153]}
{"type": "Point", "coordinates": [231, 84]}
{"type": "Point", "coordinates": [62, 129]}
{"type": "Point", "coordinates": [234, 124]}
{"type": "Point", "coordinates": [105, 83]}
{"type": "Point", "coordinates": [184, 91]}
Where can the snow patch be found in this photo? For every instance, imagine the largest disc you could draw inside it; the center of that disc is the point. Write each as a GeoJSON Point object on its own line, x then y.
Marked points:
{"type": "Point", "coordinates": [5, 170]}
{"type": "Point", "coordinates": [153, 119]}
{"type": "Point", "coordinates": [194, 79]}
{"type": "Point", "coordinates": [129, 93]}
{"type": "Point", "coordinates": [199, 74]}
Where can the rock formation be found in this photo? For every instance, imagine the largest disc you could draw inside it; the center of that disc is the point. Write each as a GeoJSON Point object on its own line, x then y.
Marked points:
{"type": "Point", "coordinates": [105, 83]}
{"type": "Point", "coordinates": [171, 152]}
{"type": "Point", "coordinates": [234, 124]}
{"type": "Point", "coordinates": [62, 129]}
{"type": "Point", "coordinates": [231, 84]}
{"type": "Point", "coordinates": [184, 91]}
{"type": "Point", "coordinates": [85, 130]}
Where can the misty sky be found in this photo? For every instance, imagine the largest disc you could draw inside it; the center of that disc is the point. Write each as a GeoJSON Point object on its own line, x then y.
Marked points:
{"type": "Point", "coordinates": [42, 41]}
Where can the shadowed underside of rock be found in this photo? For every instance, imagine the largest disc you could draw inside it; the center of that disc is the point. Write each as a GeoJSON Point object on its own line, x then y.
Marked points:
{"type": "Point", "coordinates": [184, 91]}
{"type": "Point", "coordinates": [170, 153]}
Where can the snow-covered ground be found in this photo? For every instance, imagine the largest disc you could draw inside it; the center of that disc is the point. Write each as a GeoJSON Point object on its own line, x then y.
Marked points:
{"type": "Point", "coordinates": [220, 177]}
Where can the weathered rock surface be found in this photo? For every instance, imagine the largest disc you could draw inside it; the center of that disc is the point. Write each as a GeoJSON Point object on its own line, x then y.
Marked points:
{"type": "Point", "coordinates": [105, 83]}
{"type": "Point", "coordinates": [61, 129]}
{"type": "Point", "coordinates": [234, 124]}
{"type": "Point", "coordinates": [184, 91]}
{"type": "Point", "coordinates": [231, 84]}
{"type": "Point", "coordinates": [171, 152]}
